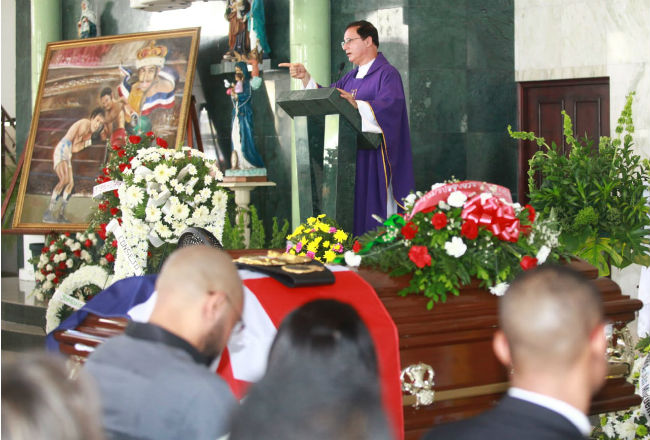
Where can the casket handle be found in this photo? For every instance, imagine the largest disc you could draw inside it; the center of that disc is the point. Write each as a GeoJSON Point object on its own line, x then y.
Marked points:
{"type": "Point", "coordinates": [417, 380]}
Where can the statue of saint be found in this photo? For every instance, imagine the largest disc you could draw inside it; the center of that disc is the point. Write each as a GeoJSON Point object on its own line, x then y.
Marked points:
{"type": "Point", "coordinates": [238, 39]}
{"type": "Point", "coordinates": [87, 24]}
{"type": "Point", "coordinates": [244, 154]}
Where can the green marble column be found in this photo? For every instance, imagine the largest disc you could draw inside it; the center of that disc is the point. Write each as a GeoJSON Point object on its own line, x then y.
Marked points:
{"type": "Point", "coordinates": [309, 41]}
{"type": "Point", "coordinates": [45, 27]}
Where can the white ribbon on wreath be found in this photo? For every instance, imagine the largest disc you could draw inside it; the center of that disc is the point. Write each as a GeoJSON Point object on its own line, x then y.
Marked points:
{"type": "Point", "coordinates": [84, 276]}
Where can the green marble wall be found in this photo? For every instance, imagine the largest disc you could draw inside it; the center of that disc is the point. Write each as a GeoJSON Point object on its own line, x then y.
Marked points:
{"type": "Point", "coordinates": [23, 73]}
{"type": "Point", "coordinates": [463, 94]}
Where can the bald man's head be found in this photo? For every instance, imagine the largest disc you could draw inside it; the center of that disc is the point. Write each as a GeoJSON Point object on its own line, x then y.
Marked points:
{"type": "Point", "coordinates": [200, 297]}
{"type": "Point", "coordinates": [194, 270]}
{"type": "Point", "coordinates": [548, 316]}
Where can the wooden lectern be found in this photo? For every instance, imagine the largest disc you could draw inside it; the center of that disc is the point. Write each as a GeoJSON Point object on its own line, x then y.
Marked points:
{"type": "Point", "coordinates": [338, 157]}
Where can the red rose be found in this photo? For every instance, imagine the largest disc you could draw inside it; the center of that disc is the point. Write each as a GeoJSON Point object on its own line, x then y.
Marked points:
{"type": "Point", "coordinates": [62, 265]}
{"type": "Point", "coordinates": [52, 257]}
{"type": "Point", "coordinates": [45, 249]}
{"type": "Point", "coordinates": [531, 213]}
{"type": "Point", "coordinates": [58, 272]}
{"type": "Point", "coordinates": [116, 147]}
{"type": "Point", "coordinates": [55, 280]}
{"type": "Point", "coordinates": [528, 262]}
{"type": "Point", "coordinates": [88, 243]}
{"type": "Point", "coordinates": [102, 234]}
{"type": "Point", "coordinates": [149, 133]}
{"type": "Point", "coordinates": [134, 139]}
{"type": "Point", "coordinates": [161, 142]}
{"type": "Point", "coordinates": [130, 159]}
{"type": "Point", "coordinates": [121, 153]}
{"type": "Point", "coordinates": [356, 247]}
{"type": "Point", "coordinates": [469, 229]}
{"type": "Point", "coordinates": [109, 257]}
{"type": "Point", "coordinates": [119, 221]}
{"type": "Point", "coordinates": [409, 230]}
{"type": "Point", "coordinates": [52, 242]}
{"type": "Point", "coordinates": [114, 243]}
{"type": "Point", "coordinates": [116, 194]}
{"type": "Point", "coordinates": [102, 206]}
{"type": "Point", "coordinates": [124, 166]}
{"type": "Point", "coordinates": [59, 251]}
{"type": "Point", "coordinates": [67, 234]}
{"type": "Point", "coordinates": [148, 254]}
{"type": "Point", "coordinates": [420, 256]}
{"type": "Point", "coordinates": [77, 253]}
{"type": "Point", "coordinates": [106, 171]}
{"type": "Point", "coordinates": [114, 211]}
{"type": "Point", "coordinates": [43, 271]}
{"type": "Point", "coordinates": [439, 220]}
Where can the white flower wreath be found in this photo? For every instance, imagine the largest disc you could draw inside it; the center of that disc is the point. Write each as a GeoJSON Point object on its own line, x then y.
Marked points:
{"type": "Point", "coordinates": [86, 275]}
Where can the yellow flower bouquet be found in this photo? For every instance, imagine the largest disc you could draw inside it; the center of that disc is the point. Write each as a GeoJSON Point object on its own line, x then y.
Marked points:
{"type": "Point", "coordinates": [318, 238]}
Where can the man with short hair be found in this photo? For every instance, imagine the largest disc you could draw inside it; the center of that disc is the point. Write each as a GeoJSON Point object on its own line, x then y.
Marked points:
{"type": "Point", "coordinates": [154, 379]}
{"type": "Point", "coordinates": [114, 119]}
{"type": "Point", "coordinates": [552, 338]}
{"type": "Point", "coordinates": [383, 176]}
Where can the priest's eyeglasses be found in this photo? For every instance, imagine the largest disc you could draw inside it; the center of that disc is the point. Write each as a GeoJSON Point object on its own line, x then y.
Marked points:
{"type": "Point", "coordinates": [347, 41]}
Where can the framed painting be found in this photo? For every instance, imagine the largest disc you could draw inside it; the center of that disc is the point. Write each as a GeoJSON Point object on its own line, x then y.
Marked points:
{"type": "Point", "coordinates": [93, 94]}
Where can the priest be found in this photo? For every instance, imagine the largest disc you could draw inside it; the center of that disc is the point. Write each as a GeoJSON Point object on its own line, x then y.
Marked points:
{"type": "Point", "coordinates": [384, 176]}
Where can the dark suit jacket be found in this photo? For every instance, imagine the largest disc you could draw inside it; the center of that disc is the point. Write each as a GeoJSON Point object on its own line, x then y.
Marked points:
{"type": "Point", "coordinates": [511, 419]}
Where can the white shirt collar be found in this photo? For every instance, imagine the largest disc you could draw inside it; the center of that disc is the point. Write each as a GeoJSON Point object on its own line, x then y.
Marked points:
{"type": "Point", "coordinates": [363, 70]}
{"type": "Point", "coordinates": [571, 413]}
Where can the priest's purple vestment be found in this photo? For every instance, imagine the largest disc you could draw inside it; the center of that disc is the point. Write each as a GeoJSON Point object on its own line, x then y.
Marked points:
{"type": "Point", "coordinates": [391, 165]}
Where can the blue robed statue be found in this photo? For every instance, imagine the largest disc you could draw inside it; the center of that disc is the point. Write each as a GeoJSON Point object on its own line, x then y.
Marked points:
{"type": "Point", "coordinates": [244, 154]}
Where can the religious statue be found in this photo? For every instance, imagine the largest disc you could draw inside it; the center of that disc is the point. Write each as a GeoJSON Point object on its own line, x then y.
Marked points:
{"type": "Point", "coordinates": [151, 87]}
{"type": "Point", "coordinates": [87, 24]}
{"type": "Point", "coordinates": [247, 31]}
{"type": "Point", "coordinates": [244, 154]}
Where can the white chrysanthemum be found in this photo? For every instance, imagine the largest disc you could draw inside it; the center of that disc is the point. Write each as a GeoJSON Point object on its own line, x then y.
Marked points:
{"type": "Point", "coordinates": [133, 196]}
{"type": "Point", "coordinates": [626, 429]}
{"type": "Point", "coordinates": [542, 254]}
{"type": "Point", "coordinates": [179, 227]}
{"type": "Point", "coordinates": [410, 199]}
{"type": "Point", "coordinates": [47, 285]}
{"type": "Point", "coordinates": [127, 171]}
{"type": "Point", "coordinates": [85, 255]}
{"type": "Point", "coordinates": [149, 177]}
{"type": "Point", "coordinates": [499, 289]}
{"type": "Point", "coordinates": [219, 199]}
{"type": "Point", "coordinates": [68, 243]}
{"type": "Point", "coordinates": [456, 199]}
{"type": "Point", "coordinates": [42, 260]}
{"type": "Point", "coordinates": [53, 248]}
{"type": "Point", "coordinates": [80, 237]}
{"type": "Point", "coordinates": [207, 180]}
{"type": "Point", "coordinates": [162, 230]}
{"type": "Point", "coordinates": [39, 295]}
{"type": "Point", "coordinates": [39, 276]}
{"type": "Point", "coordinates": [103, 261]}
{"type": "Point", "coordinates": [135, 163]}
{"type": "Point", "coordinates": [69, 263]}
{"type": "Point", "coordinates": [456, 247]}
{"type": "Point", "coordinates": [92, 236]}
{"type": "Point", "coordinates": [152, 213]}
{"type": "Point", "coordinates": [50, 276]}
{"type": "Point", "coordinates": [76, 246]}
{"type": "Point", "coordinates": [180, 211]}
{"type": "Point", "coordinates": [139, 178]}
{"type": "Point", "coordinates": [201, 215]}
{"type": "Point", "coordinates": [162, 173]}
{"type": "Point", "coordinates": [216, 173]}
{"type": "Point", "coordinates": [443, 205]}
{"type": "Point", "coordinates": [48, 267]}
{"type": "Point", "coordinates": [191, 169]}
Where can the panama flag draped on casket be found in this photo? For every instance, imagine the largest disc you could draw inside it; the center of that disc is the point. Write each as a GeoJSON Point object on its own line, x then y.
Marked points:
{"type": "Point", "coordinates": [266, 303]}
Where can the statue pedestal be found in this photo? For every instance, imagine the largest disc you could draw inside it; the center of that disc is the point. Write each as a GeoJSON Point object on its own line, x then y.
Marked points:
{"type": "Point", "coordinates": [242, 192]}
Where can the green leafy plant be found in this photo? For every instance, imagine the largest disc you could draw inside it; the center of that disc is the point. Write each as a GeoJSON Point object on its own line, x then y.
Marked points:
{"type": "Point", "coordinates": [279, 234]}
{"type": "Point", "coordinates": [597, 194]}
{"type": "Point", "coordinates": [258, 237]}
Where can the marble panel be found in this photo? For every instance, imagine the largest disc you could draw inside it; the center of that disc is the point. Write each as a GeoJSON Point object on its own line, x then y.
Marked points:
{"type": "Point", "coordinates": [490, 40]}
{"type": "Point", "coordinates": [436, 43]}
{"type": "Point", "coordinates": [492, 100]}
{"type": "Point", "coordinates": [439, 9]}
{"type": "Point", "coordinates": [439, 101]}
{"type": "Point", "coordinates": [492, 157]}
{"type": "Point", "coordinates": [437, 157]}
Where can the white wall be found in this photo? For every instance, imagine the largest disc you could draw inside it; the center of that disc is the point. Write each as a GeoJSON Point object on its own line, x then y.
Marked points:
{"type": "Point", "coordinates": [562, 39]}
{"type": "Point", "coordinates": [8, 35]}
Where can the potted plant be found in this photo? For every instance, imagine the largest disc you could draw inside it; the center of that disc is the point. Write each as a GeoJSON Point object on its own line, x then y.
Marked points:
{"type": "Point", "coordinates": [596, 194]}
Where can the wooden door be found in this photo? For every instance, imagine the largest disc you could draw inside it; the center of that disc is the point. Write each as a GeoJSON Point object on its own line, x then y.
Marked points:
{"type": "Point", "coordinates": [540, 103]}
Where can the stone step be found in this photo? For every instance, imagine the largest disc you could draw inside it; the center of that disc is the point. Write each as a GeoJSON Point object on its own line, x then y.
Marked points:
{"type": "Point", "coordinates": [14, 311]}
{"type": "Point", "coordinates": [22, 337]}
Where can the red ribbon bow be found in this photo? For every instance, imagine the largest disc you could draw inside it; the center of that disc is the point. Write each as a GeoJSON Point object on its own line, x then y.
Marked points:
{"type": "Point", "coordinates": [495, 215]}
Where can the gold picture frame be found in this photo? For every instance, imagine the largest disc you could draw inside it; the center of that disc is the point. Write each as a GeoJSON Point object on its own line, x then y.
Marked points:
{"type": "Point", "coordinates": [94, 93]}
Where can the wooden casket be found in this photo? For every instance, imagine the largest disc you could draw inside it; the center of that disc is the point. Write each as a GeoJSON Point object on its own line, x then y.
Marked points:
{"type": "Point", "coordinates": [455, 339]}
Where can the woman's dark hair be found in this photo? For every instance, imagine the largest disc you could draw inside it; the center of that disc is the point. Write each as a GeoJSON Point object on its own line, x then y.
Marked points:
{"type": "Point", "coordinates": [365, 30]}
{"type": "Point", "coordinates": [326, 333]}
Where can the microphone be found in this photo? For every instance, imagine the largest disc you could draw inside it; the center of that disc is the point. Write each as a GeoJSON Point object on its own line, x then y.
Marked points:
{"type": "Point", "coordinates": [338, 75]}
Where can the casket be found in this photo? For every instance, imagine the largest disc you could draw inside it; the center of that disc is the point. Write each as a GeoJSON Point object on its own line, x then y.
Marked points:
{"type": "Point", "coordinates": [455, 339]}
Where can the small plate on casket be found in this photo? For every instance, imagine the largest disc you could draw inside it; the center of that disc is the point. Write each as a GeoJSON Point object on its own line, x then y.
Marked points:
{"type": "Point", "coordinates": [290, 270]}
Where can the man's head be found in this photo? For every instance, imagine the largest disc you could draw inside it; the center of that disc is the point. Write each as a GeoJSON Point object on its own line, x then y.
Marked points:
{"type": "Point", "coordinates": [200, 297]}
{"type": "Point", "coordinates": [147, 76]}
{"type": "Point", "coordinates": [106, 98]}
{"type": "Point", "coordinates": [551, 322]}
{"type": "Point", "coordinates": [360, 42]}
{"type": "Point", "coordinates": [97, 119]}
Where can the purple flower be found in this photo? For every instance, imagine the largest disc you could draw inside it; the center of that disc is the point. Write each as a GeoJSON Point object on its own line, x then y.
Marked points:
{"type": "Point", "coordinates": [311, 255]}
{"type": "Point", "coordinates": [289, 246]}
{"type": "Point", "coordinates": [298, 246]}
{"type": "Point", "coordinates": [332, 230]}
